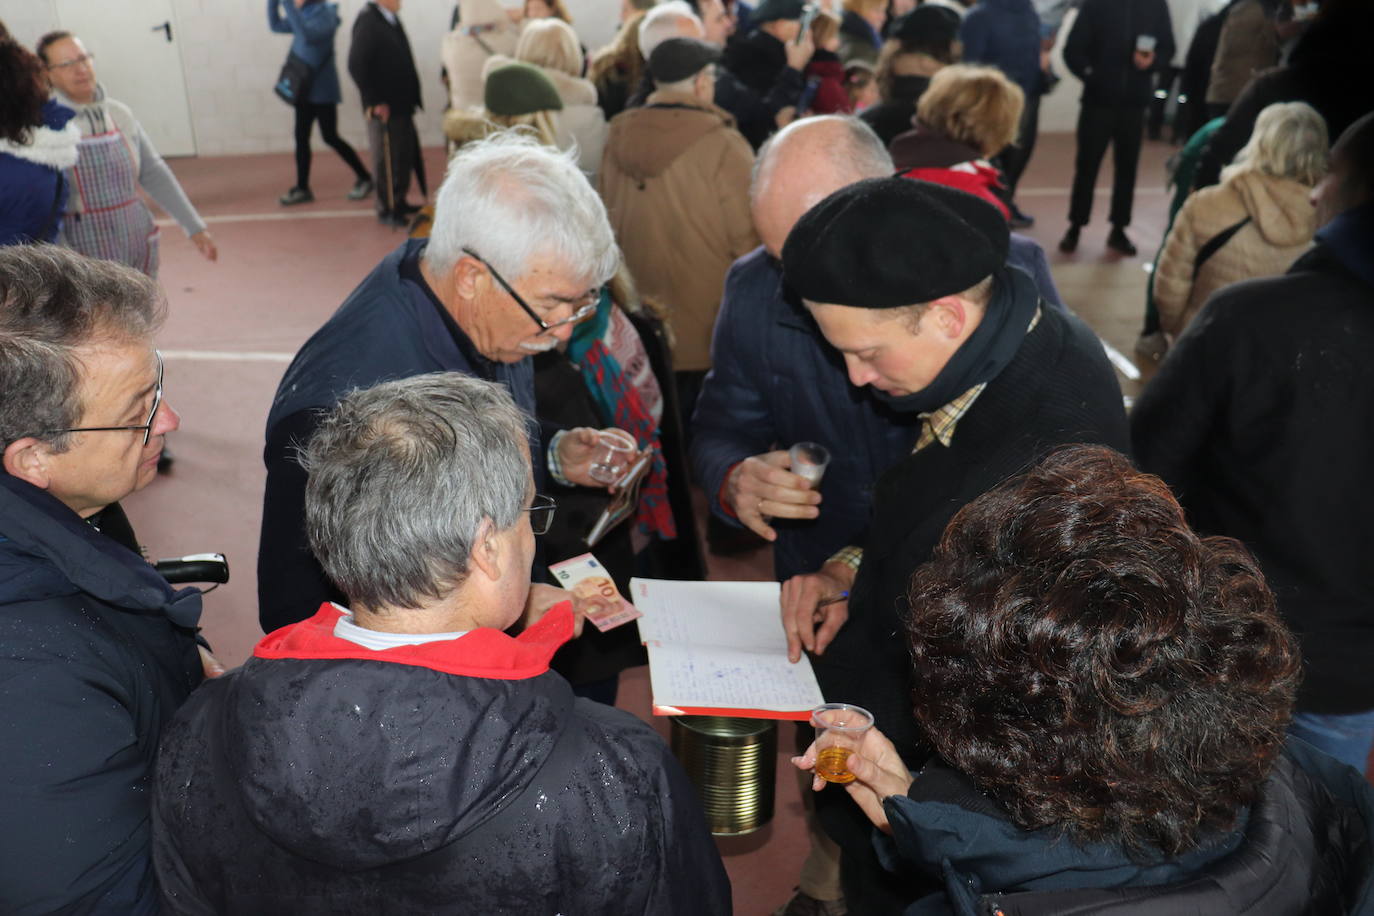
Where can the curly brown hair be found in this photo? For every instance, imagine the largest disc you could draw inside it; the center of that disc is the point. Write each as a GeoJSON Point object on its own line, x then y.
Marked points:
{"type": "Point", "coordinates": [22, 91]}
{"type": "Point", "coordinates": [1095, 666]}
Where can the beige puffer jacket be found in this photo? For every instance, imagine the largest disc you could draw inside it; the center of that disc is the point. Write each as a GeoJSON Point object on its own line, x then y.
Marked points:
{"type": "Point", "coordinates": [1282, 221]}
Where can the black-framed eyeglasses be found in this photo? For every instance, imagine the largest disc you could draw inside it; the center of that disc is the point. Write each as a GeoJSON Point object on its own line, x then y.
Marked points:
{"type": "Point", "coordinates": [541, 513]}
{"type": "Point", "coordinates": [146, 427]}
{"type": "Point", "coordinates": [579, 314]}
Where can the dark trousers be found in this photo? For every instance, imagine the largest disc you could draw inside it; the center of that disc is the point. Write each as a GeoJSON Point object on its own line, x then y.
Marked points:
{"type": "Point", "coordinates": [1014, 159]}
{"type": "Point", "coordinates": [1123, 128]}
{"type": "Point", "coordinates": [1164, 87]}
{"type": "Point", "coordinates": [328, 116]}
{"type": "Point", "coordinates": [395, 154]}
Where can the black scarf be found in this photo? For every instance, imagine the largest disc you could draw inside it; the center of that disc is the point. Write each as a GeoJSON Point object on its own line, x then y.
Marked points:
{"type": "Point", "coordinates": [988, 350]}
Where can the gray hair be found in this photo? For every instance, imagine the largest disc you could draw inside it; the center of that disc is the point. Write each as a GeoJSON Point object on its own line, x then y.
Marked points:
{"type": "Point", "coordinates": [53, 301]}
{"type": "Point", "coordinates": [1289, 141]}
{"type": "Point", "coordinates": [401, 476]}
{"type": "Point", "coordinates": [660, 24]}
{"type": "Point", "coordinates": [857, 154]}
{"type": "Point", "coordinates": [511, 199]}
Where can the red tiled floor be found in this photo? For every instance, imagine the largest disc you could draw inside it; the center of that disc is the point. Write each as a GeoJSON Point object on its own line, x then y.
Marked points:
{"type": "Point", "coordinates": [281, 272]}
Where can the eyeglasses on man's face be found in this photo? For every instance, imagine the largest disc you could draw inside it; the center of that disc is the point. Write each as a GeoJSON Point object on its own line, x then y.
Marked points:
{"type": "Point", "coordinates": [146, 428]}
{"type": "Point", "coordinates": [66, 65]}
{"type": "Point", "coordinates": [580, 312]}
{"type": "Point", "coordinates": [541, 513]}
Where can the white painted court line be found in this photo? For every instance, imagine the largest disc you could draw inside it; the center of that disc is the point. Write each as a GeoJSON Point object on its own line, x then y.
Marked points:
{"type": "Point", "coordinates": [1050, 192]}
{"type": "Point", "coordinates": [1119, 360]}
{"type": "Point", "coordinates": [229, 356]}
{"type": "Point", "coordinates": [279, 216]}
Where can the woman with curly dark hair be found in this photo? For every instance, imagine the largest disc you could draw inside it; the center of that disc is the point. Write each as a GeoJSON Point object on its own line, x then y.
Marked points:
{"type": "Point", "coordinates": [1106, 695]}
{"type": "Point", "coordinates": [37, 142]}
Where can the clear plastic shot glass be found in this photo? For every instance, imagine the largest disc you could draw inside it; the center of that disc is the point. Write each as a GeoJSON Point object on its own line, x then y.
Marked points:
{"type": "Point", "coordinates": [809, 460]}
{"type": "Point", "coordinates": [614, 449]}
{"type": "Point", "coordinates": [839, 730]}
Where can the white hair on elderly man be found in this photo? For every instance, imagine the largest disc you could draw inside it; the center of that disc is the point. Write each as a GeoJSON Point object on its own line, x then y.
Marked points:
{"type": "Point", "coordinates": [662, 22]}
{"type": "Point", "coordinates": [512, 199]}
{"type": "Point", "coordinates": [401, 476]}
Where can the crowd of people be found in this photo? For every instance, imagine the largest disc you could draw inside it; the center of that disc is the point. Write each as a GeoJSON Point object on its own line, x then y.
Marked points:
{"type": "Point", "coordinates": [1115, 659]}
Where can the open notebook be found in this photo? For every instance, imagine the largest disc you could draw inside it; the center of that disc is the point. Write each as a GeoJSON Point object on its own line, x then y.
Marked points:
{"type": "Point", "coordinates": [718, 648]}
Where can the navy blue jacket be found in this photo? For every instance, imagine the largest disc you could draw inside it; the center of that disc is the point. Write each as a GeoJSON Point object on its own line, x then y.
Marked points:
{"type": "Point", "coordinates": [312, 27]}
{"type": "Point", "coordinates": [390, 327]}
{"type": "Point", "coordinates": [1005, 34]}
{"type": "Point", "coordinates": [96, 654]}
{"type": "Point", "coordinates": [33, 192]}
{"type": "Point", "coordinates": [777, 382]}
{"type": "Point", "coordinates": [1303, 847]}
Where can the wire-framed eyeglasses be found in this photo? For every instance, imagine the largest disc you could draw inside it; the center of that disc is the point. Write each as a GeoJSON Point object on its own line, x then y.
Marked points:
{"type": "Point", "coordinates": [146, 427]}
{"type": "Point", "coordinates": [541, 513]}
{"type": "Point", "coordinates": [581, 313]}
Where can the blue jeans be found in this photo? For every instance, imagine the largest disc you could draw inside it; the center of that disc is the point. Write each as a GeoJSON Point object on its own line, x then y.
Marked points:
{"type": "Point", "coordinates": [1349, 738]}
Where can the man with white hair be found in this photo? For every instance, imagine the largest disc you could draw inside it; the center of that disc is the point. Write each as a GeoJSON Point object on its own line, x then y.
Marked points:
{"type": "Point", "coordinates": [404, 754]}
{"type": "Point", "coordinates": [519, 251]}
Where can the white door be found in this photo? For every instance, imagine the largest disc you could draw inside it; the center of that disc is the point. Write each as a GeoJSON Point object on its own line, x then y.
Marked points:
{"type": "Point", "coordinates": [138, 62]}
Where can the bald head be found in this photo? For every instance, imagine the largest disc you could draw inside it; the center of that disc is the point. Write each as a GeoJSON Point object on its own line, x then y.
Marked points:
{"type": "Point", "coordinates": [806, 162]}
{"type": "Point", "coordinates": [1350, 181]}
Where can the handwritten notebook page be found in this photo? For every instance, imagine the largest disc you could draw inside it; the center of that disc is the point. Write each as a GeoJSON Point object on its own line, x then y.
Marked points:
{"type": "Point", "coordinates": [719, 648]}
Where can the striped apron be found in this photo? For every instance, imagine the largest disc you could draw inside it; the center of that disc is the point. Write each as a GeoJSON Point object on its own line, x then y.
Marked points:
{"type": "Point", "coordinates": [112, 224]}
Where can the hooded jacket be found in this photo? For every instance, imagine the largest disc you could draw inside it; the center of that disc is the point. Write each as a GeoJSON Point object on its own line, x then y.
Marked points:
{"type": "Point", "coordinates": [33, 191]}
{"type": "Point", "coordinates": [675, 179]}
{"type": "Point", "coordinates": [1280, 229]}
{"type": "Point", "coordinates": [1304, 847]}
{"type": "Point", "coordinates": [1260, 421]}
{"type": "Point", "coordinates": [451, 777]}
{"type": "Point", "coordinates": [96, 654]}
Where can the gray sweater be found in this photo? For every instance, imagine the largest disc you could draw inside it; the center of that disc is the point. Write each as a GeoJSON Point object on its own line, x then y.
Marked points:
{"type": "Point", "coordinates": [154, 176]}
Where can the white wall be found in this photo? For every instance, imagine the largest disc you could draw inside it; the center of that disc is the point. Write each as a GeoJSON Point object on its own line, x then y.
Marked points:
{"type": "Point", "coordinates": [231, 60]}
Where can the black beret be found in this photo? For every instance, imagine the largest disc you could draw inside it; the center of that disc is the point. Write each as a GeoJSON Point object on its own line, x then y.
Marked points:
{"type": "Point", "coordinates": [769, 10]}
{"type": "Point", "coordinates": [927, 25]}
{"type": "Point", "coordinates": [678, 58]}
{"type": "Point", "coordinates": [886, 242]}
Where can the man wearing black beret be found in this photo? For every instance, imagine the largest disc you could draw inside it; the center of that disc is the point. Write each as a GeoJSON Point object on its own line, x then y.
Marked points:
{"type": "Point", "coordinates": [907, 280]}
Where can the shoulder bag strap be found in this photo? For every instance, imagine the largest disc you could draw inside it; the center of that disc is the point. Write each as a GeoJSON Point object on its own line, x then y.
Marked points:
{"type": "Point", "coordinates": [1215, 243]}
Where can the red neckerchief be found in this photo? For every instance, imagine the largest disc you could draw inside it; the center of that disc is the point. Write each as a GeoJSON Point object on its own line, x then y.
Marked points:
{"type": "Point", "coordinates": [483, 652]}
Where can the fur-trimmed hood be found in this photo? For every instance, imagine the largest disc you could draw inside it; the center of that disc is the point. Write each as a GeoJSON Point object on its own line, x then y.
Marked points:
{"type": "Point", "coordinates": [52, 144]}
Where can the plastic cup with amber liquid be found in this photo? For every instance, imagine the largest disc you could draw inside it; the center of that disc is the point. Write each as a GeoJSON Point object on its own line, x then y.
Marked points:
{"type": "Point", "coordinates": [839, 731]}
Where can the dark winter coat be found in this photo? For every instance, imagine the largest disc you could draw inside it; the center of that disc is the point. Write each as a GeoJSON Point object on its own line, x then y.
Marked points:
{"type": "Point", "coordinates": [1262, 421]}
{"type": "Point", "coordinates": [312, 27]}
{"type": "Point", "coordinates": [1101, 45]}
{"type": "Point", "coordinates": [896, 115]}
{"type": "Point", "coordinates": [1304, 847]}
{"type": "Point", "coordinates": [33, 189]}
{"type": "Point", "coordinates": [858, 39]}
{"type": "Point", "coordinates": [452, 777]}
{"type": "Point", "coordinates": [96, 654]}
{"type": "Point", "coordinates": [1058, 389]}
{"type": "Point", "coordinates": [389, 327]}
{"type": "Point", "coordinates": [1005, 34]}
{"type": "Point", "coordinates": [380, 62]}
{"type": "Point", "coordinates": [755, 83]}
{"type": "Point", "coordinates": [777, 382]}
